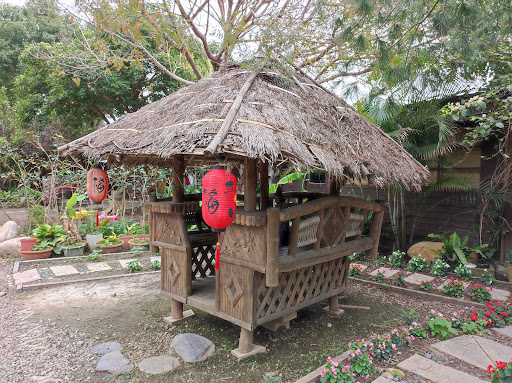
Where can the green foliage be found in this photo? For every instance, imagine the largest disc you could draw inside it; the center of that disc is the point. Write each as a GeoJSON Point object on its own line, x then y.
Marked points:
{"type": "Point", "coordinates": [463, 272]}
{"type": "Point", "coordinates": [439, 267]}
{"type": "Point", "coordinates": [134, 266]}
{"type": "Point", "coordinates": [501, 372]}
{"type": "Point", "coordinates": [95, 256]}
{"type": "Point", "coordinates": [472, 327]}
{"type": "Point", "coordinates": [355, 271]}
{"type": "Point", "coordinates": [383, 348]}
{"type": "Point", "coordinates": [417, 330]}
{"type": "Point", "coordinates": [379, 260]}
{"type": "Point", "coordinates": [42, 246]}
{"type": "Point", "coordinates": [417, 263]}
{"type": "Point", "coordinates": [288, 178]}
{"type": "Point", "coordinates": [336, 372]}
{"type": "Point", "coordinates": [409, 316]}
{"type": "Point", "coordinates": [399, 280]}
{"type": "Point", "coordinates": [358, 257]}
{"type": "Point", "coordinates": [438, 326]}
{"type": "Point", "coordinates": [479, 293]}
{"type": "Point", "coordinates": [51, 235]}
{"type": "Point", "coordinates": [455, 249]}
{"type": "Point", "coordinates": [380, 276]}
{"type": "Point", "coordinates": [111, 240]}
{"type": "Point", "coordinates": [361, 363]}
{"type": "Point", "coordinates": [426, 286]}
{"type": "Point", "coordinates": [487, 277]}
{"type": "Point", "coordinates": [396, 259]}
{"type": "Point", "coordinates": [454, 288]}
{"type": "Point", "coordinates": [155, 265]}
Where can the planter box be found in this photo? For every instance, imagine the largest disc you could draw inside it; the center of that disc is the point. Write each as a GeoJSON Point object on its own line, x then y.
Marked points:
{"type": "Point", "coordinates": [73, 251]}
{"type": "Point", "coordinates": [111, 249]}
{"type": "Point", "coordinates": [30, 255]}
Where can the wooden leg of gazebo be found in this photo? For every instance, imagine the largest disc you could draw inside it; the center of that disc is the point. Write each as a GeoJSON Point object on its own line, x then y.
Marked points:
{"type": "Point", "coordinates": [177, 313]}
{"type": "Point", "coordinates": [334, 306]}
{"type": "Point", "coordinates": [245, 346]}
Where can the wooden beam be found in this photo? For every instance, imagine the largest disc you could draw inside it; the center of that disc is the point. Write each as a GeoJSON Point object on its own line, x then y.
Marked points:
{"type": "Point", "coordinates": [263, 185]}
{"type": "Point", "coordinates": [272, 267]}
{"type": "Point", "coordinates": [230, 117]}
{"type": "Point", "coordinates": [178, 190]}
{"type": "Point", "coordinates": [375, 229]}
{"type": "Point", "coordinates": [152, 225]}
{"type": "Point", "coordinates": [250, 184]}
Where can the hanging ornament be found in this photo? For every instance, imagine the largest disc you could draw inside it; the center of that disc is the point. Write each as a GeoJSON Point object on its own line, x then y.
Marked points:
{"type": "Point", "coordinates": [219, 202]}
{"type": "Point", "coordinates": [97, 184]}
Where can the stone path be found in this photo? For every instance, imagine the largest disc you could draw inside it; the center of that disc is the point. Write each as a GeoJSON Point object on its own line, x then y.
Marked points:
{"type": "Point", "coordinates": [388, 273]}
{"type": "Point", "coordinates": [468, 349]}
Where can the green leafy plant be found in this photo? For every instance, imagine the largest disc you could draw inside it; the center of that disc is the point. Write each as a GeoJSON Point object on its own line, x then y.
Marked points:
{"type": "Point", "coordinates": [379, 260]}
{"type": "Point", "coordinates": [463, 272]}
{"type": "Point", "coordinates": [271, 378]}
{"type": "Point", "coordinates": [502, 373]}
{"type": "Point", "coordinates": [134, 266]}
{"type": "Point", "coordinates": [396, 259]}
{"type": "Point", "coordinates": [355, 271]}
{"type": "Point", "coordinates": [409, 316]}
{"type": "Point", "coordinates": [359, 256]}
{"type": "Point", "coordinates": [399, 280]}
{"type": "Point", "coordinates": [42, 246]}
{"type": "Point", "coordinates": [417, 263]}
{"type": "Point", "coordinates": [383, 348]}
{"type": "Point", "coordinates": [155, 265]}
{"type": "Point", "coordinates": [380, 276]}
{"type": "Point", "coordinates": [455, 249]}
{"type": "Point", "coordinates": [426, 286]}
{"type": "Point", "coordinates": [111, 240]}
{"type": "Point", "coordinates": [472, 327]}
{"type": "Point", "coordinates": [480, 293]}
{"type": "Point", "coordinates": [334, 372]}
{"type": "Point", "coordinates": [454, 288]}
{"type": "Point", "coordinates": [439, 326]}
{"type": "Point", "coordinates": [439, 267]}
{"type": "Point", "coordinates": [417, 330]}
{"type": "Point", "coordinates": [361, 361]}
{"type": "Point", "coordinates": [487, 277]}
{"type": "Point", "coordinates": [400, 337]}
{"type": "Point", "coordinates": [50, 235]}
{"type": "Point", "coordinates": [95, 256]}
{"type": "Point", "coordinates": [137, 251]}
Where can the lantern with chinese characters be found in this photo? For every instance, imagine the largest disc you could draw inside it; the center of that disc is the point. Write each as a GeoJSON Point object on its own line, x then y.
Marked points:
{"type": "Point", "coordinates": [219, 201]}
{"type": "Point", "coordinates": [97, 184]}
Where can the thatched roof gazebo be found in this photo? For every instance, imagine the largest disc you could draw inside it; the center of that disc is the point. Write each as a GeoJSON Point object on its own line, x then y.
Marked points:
{"type": "Point", "coordinates": [260, 119]}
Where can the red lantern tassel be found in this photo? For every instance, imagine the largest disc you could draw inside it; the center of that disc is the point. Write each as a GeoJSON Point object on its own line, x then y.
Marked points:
{"type": "Point", "coordinates": [97, 219]}
{"type": "Point", "coordinates": [217, 253]}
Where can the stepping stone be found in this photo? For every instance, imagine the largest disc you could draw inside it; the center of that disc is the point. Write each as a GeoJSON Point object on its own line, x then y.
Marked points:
{"type": "Point", "coordinates": [26, 276]}
{"type": "Point", "coordinates": [115, 363]}
{"type": "Point", "coordinates": [465, 284]}
{"type": "Point", "coordinates": [507, 331]}
{"type": "Point", "coordinates": [100, 266]}
{"type": "Point", "coordinates": [153, 259]}
{"type": "Point", "coordinates": [475, 350]}
{"type": "Point", "coordinates": [382, 379]}
{"type": "Point", "coordinates": [124, 262]}
{"type": "Point", "coordinates": [363, 267]}
{"type": "Point", "coordinates": [60, 271]}
{"type": "Point", "coordinates": [158, 364]}
{"type": "Point", "coordinates": [388, 273]}
{"type": "Point", "coordinates": [106, 347]}
{"type": "Point", "coordinates": [436, 372]}
{"type": "Point", "coordinates": [192, 348]}
{"type": "Point", "coordinates": [417, 278]}
{"type": "Point", "coordinates": [500, 295]}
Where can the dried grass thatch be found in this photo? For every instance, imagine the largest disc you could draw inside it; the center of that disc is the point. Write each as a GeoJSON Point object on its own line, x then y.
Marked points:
{"type": "Point", "coordinates": [278, 119]}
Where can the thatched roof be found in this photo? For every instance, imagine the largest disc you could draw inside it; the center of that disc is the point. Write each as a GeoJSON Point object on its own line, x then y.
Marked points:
{"type": "Point", "coordinates": [279, 119]}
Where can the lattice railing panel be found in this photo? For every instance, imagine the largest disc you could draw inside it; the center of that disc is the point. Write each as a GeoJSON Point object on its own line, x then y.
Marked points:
{"type": "Point", "coordinates": [202, 258]}
{"type": "Point", "coordinates": [300, 285]}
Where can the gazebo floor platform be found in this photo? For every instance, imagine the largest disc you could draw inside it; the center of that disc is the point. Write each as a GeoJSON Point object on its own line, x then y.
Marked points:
{"type": "Point", "coordinates": [203, 294]}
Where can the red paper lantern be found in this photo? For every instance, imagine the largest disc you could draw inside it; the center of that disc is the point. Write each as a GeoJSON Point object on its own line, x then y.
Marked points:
{"type": "Point", "coordinates": [97, 184]}
{"type": "Point", "coordinates": [219, 202]}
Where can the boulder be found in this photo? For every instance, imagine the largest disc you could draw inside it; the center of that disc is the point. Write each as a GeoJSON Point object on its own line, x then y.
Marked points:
{"type": "Point", "coordinates": [158, 364]}
{"type": "Point", "coordinates": [8, 231]}
{"type": "Point", "coordinates": [423, 249]}
{"type": "Point", "coordinates": [106, 347]}
{"type": "Point", "coordinates": [11, 247]}
{"type": "Point", "coordinates": [115, 363]}
{"type": "Point", "coordinates": [192, 348]}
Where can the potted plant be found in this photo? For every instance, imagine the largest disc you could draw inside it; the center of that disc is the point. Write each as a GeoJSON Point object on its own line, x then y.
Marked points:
{"type": "Point", "coordinates": [110, 244]}
{"type": "Point", "coordinates": [137, 240]}
{"type": "Point", "coordinates": [99, 229]}
{"type": "Point", "coordinates": [52, 235]}
{"type": "Point", "coordinates": [72, 246]}
{"type": "Point", "coordinates": [39, 251]}
{"type": "Point", "coordinates": [28, 244]}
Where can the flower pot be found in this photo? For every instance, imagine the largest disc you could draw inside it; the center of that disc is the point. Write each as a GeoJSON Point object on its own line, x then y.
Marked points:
{"type": "Point", "coordinates": [141, 246]}
{"type": "Point", "coordinates": [27, 244]}
{"type": "Point", "coordinates": [29, 255]}
{"type": "Point", "coordinates": [92, 239]}
{"type": "Point", "coordinates": [126, 238]}
{"type": "Point", "coordinates": [73, 251]}
{"type": "Point", "coordinates": [111, 249]}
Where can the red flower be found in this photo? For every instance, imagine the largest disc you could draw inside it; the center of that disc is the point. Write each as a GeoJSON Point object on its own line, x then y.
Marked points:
{"type": "Point", "coordinates": [487, 313]}
{"type": "Point", "coordinates": [501, 365]}
{"type": "Point", "coordinates": [490, 369]}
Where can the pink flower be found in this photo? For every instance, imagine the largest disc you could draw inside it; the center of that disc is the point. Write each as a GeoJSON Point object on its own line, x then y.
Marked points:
{"type": "Point", "coordinates": [358, 351]}
{"type": "Point", "coordinates": [336, 363]}
{"type": "Point", "coordinates": [393, 346]}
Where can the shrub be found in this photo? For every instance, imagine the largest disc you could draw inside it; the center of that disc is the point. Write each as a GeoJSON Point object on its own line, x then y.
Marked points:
{"type": "Point", "coordinates": [334, 372]}
{"type": "Point", "coordinates": [439, 326]}
{"type": "Point", "coordinates": [134, 266]}
{"type": "Point", "coordinates": [439, 267]}
{"type": "Point", "coordinates": [480, 293]}
{"type": "Point", "coordinates": [454, 288]}
{"type": "Point", "coordinates": [417, 264]}
{"type": "Point", "coordinates": [400, 337]}
{"type": "Point", "coordinates": [359, 256]}
{"type": "Point", "coordinates": [355, 271]}
{"type": "Point", "coordinates": [417, 330]}
{"type": "Point", "coordinates": [362, 363]}
{"type": "Point", "coordinates": [487, 278]}
{"type": "Point", "coordinates": [380, 276]}
{"type": "Point", "coordinates": [383, 348]}
{"type": "Point", "coordinates": [399, 280]}
{"type": "Point", "coordinates": [155, 265]}
{"type": "Point", "coordinates": [426, 286]}
{"type": "Point", "coordinates": [396, 259]}
{"type": "Point", "coordinates": [409, 316]}
{"type": "Point", "coordinates": [463, 272]}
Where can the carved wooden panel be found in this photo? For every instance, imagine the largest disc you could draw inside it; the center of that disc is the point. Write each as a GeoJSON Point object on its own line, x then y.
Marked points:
{"type": "Point", "coordinates": [176, 272]}
{"type": "Point", "coordinates": [236, 289]}
{"type": "Point", "coordinates": [168, 229]}
{"type": "Point", "coordinates": [334, 226]}
{"type": "Point", "coordinates": [299, 286]}
{"type": "Point", "coordinates": [245, 243]}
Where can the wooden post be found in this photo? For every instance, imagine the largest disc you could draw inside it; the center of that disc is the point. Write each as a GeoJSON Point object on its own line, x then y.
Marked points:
{"type": "Point", "coordinates": [250, 184]}
{"type": "Point", "coordinates": [272, 268]}
{"type": "Point", "coordinates": [319, 230]}
{"type": "Point", "coordinates": [375, 229]}
{"type": "Point", "coordinates": [176, 309]}
{"type": "Point", "coordinates": [151, 224]}
{"type": "Point", "coordinates": [294, 237]}
{"type": "Point", "coordinates": [178, 190]}
{"type": "Point", "coordinates": [333, 303]}
{"type": "Point", "coordinates": [263, 185]}
{"type": "Point", "coordinates": [245, 341]}
{"type": "Point", "coordinates": [334, 186]}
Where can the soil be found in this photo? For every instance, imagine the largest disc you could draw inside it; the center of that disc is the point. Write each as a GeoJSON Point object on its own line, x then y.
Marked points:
{"type": "Point", "coordinates": [48, 333]}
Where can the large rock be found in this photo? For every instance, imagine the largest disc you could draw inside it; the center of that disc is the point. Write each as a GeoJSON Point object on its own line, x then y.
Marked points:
{"type": "Point", "coordinates": [423, 249]}
{"type": "Point", "coordinates": [11, 247]}
{"type": "Point", "coordinates": [8, 231]}
{"type": "Point", "coordinates": [192, 348]}
{"type": "Point", "coordinates": [115, 363]}
{"type": "Point", "coordinates": [106, 347]}
{"type": "Point", "coordinates": [158, 364]}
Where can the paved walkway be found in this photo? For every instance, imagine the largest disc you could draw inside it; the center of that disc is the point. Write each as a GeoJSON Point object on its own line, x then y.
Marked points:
{"type": "Point", "coordinates": [470, 349]}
